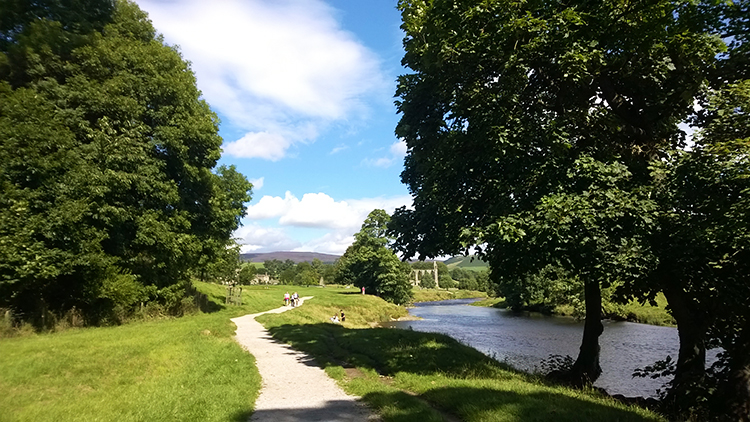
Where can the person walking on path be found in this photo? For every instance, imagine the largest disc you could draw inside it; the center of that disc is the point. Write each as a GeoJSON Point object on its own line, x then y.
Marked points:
{"type": "Point", "coordinates": [293, 390]}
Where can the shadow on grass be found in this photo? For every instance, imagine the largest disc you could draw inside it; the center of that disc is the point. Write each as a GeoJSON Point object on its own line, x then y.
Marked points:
{"type": "Point", "coordinates": [334, 410]}
{"type": "Point", "coordinates": [471, 404]}
{"type": "Point", "coordinates": [388, 351]}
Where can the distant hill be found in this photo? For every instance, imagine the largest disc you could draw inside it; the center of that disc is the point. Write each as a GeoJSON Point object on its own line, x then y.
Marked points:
{"type": "Point", "coordinates": [297, 257]}
{"type": "Point", "coordinates": [471, 262]}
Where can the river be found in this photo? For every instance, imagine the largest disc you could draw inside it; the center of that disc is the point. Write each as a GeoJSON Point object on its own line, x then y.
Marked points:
{"type": "Point", "coordinates": [524, 340]}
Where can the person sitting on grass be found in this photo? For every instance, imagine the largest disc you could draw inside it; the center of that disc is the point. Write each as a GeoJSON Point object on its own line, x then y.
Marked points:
{"type": "Point", "coordinates": [335, 319]}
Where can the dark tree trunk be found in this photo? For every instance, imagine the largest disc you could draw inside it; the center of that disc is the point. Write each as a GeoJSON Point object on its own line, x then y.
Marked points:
{"type": "Point", "coordinates": [586, 369]}
{"type": "Point", "coordinates": [738, 384]}
{"type": "Point", "coordinates": [691, 361]}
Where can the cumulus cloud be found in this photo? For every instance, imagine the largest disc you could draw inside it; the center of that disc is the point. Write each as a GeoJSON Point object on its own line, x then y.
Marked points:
{"type": "Point", "coordinates": [396, 154]}
{"type": "Point", "coordinates": [281, 70]}
{"type": "Point", "coordinates": [270, 146]}
{"type": "Point", "coordinates": [313, 211]}
{"type": "Point", "coordinates": [333, 243]}
{"type": "Point", "coordinates": [254, 237]}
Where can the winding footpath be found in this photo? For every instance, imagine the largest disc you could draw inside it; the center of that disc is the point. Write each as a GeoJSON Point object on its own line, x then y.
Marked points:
{"type": "Point", "coordinates": [294, 388]}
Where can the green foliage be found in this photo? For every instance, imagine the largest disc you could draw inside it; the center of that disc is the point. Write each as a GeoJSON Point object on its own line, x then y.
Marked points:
{"type": "Point", "coordinates": [275, 267]}
{"type": "Point", "coordinates": [247, 273]}
{"type": "Point", "coordinates": [530, 129]}
{"type": "Point", "coordinates": [370, 264]}
{"type": "Point", "coordinates": [705, 240]}
{"type": "Point", "coordinates": [106, 180]}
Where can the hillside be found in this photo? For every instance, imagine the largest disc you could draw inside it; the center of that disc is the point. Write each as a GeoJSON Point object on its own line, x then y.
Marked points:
{"type": "Point", "coordinates": [297, 257]}
{"type": "Point", "coordinates": [470, 262]}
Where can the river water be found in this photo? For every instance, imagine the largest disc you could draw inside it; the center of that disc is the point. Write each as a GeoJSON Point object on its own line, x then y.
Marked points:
{"type": "Point", "coordinates": [523, 340]}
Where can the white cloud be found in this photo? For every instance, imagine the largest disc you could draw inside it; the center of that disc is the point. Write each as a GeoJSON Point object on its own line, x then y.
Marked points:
{"type": "Point", "coordinates": [266, 145]}
{"type": "Point", "coordinates": [333, 243]}
{"type": "Point", "coordinates": [338, 148]}
{"type": "Point", "coordinates": [254, 237]}
{"type": "Point", "coordinates": [396, 154]}
{"type": "Point", "coordinates": [271, 206]}
{"type": "Point", "coordinates": [398, 149]}
{"type": "Point", "coordinates": [281, 70]}
{"type": "Point", "coordinates": [318, 210]}
{"type": "Point", "coordinates": [257, 183]}
{"type": "Point", "coordinates": [314, 211]}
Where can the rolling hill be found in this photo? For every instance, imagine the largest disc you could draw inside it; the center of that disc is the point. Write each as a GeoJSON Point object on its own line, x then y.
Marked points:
{"type": "Point", "coordinates": [471, 262]}
{"type": "Point", "coordinates": [297, 257]}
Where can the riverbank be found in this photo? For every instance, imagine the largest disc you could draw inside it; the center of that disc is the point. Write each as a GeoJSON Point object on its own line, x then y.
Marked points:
{"type": "Point", "coordinates": [432, 295]}
{"type": "Point", "coordinates": [631, 312]}
{"type": "Point", "coordinates": [191, 368]}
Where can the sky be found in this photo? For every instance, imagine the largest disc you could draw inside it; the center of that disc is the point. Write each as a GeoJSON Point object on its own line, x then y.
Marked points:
{"type": "Point", "coordinates": [304, 90]}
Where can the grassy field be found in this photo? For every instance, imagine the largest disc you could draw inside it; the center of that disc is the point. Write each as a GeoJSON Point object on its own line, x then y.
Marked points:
{"type": "Point", "coordinates": [186, 369]}
{"type": "Point", "coordinates": [190, 369]}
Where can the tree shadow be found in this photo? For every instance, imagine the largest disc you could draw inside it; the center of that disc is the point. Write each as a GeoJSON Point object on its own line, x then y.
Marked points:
{"type": "Point", "coordinates": [334, 410]}
{"type": "Point", "coordinates": [474, 403]}
{"type": "Point", "coordinates": [389, 351]}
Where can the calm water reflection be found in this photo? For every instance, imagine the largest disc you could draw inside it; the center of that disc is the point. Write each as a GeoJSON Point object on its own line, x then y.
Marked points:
{"type": "Point", "coordinates": [524, 340]}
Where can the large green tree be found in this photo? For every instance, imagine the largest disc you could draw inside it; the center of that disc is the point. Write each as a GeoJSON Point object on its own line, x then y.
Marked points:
{"type": "Point", "coordinates": [369, 263]}
{"type": "Point", "coordinates": [530, 129]}
{"type": "Point", "coordinates": [108, 190]}
{"type": "Point", "coordinates": [704, 244]}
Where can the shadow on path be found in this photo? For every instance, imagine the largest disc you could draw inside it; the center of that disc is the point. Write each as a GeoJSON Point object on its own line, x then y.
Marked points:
{"type": "Point", "coordinates": [333, 411]}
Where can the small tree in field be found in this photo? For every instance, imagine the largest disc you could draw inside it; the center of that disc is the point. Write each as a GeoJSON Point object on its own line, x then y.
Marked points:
{"type": "Point", "coordinates": [370, 264]}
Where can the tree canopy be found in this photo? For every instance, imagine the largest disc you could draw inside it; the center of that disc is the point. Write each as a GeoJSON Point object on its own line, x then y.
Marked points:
{"type": "Point", "coordinates": [369, 263]}
{"type": "Point", "coordinates": [108, 187]}
{"type": "Point", "coordinates": [535, 132]}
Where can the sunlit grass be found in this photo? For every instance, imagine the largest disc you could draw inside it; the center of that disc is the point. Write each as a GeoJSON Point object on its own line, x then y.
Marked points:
{"type": "Point", "coordinates": [191, 369]}
{"type": "Point", "coordinates": [409, 375]}
{"type": "Point", "coordinates": [184, 369]}
{"type": "Point", "coordinates": [431, 295]}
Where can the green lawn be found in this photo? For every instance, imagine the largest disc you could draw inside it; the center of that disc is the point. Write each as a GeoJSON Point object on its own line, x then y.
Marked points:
{"type": "Point", "coordinates": [190, 369]}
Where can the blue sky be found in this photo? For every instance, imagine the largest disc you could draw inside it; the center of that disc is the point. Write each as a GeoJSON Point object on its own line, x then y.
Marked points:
{"type": "Point", "coordinates": [304, 90]}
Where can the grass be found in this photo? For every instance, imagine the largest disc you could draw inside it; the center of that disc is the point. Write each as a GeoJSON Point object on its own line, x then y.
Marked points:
{"type": "Point", "coordinates": [494, 302]}
{"type": "Point", "coordinates": [633, 311]}
{"type": "Point", "coordinates": [431, 295]}
{"type": "Point", "coordinates": [190, 369]}
{"type": "Point", "coordinates": [408, 376]}
{"type": "Point", "coordinates": [180, 369]}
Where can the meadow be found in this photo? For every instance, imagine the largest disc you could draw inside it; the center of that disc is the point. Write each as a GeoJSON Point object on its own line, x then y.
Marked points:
{"type": "Point", "coordinates": [190, 368]}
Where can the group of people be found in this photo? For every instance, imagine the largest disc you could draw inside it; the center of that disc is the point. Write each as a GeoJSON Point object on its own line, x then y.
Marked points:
{"type": "Point", "coordinates": [291, 300]}
{"type": "Point", "coordinates": [335, 318]}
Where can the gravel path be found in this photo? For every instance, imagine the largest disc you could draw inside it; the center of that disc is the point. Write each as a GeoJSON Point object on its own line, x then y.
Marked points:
{"type": "Point", "coordinates": [294, 388]}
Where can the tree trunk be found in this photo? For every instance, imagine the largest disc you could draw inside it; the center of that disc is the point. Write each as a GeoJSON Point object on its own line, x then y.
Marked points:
{"type": "Point", "coordinates": [738, 385]}
{"type": "Point", "coordinates": [691, 361]}
{"type": "Point", "coordinates": [586, 369]}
